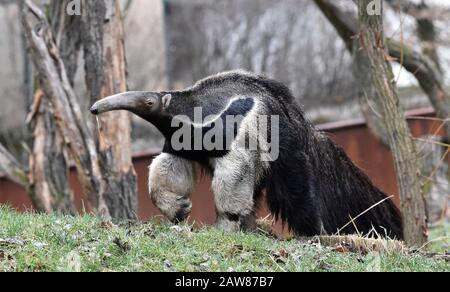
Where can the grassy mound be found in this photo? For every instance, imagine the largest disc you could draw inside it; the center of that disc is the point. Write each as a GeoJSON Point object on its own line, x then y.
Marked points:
{"type": "Point", "coordinates": [30, 242]}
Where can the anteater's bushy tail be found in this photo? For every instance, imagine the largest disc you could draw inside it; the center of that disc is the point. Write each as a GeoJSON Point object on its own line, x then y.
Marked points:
{"type": "Point", "coordinates": [316, 189]}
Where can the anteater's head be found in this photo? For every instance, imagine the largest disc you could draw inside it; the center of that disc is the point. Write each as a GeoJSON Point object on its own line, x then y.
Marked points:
{"type": "Point", "coordinates": [141, 103]}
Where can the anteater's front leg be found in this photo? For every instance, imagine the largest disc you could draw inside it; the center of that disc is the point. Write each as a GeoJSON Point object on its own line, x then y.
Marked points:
{"type": "Point", "coordinates": [171, 180]}
{"type": "Point", "coordinates": [233, 186]}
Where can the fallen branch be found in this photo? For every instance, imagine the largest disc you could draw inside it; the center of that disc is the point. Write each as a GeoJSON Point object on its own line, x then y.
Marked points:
{"type": "Point", "coordinates": [354, 243]}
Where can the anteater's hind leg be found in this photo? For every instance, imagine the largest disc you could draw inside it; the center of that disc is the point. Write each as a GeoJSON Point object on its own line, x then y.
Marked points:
{"type": "Point", "coordinates": [171, 180]}
{"type": "Point", "coordinates": [233, 186]}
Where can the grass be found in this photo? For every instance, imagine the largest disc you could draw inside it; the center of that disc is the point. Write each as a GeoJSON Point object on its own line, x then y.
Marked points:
{"type": "Point", "coordinates": [30, 242]}
{"type": "Point", "coordinates": [439, 235]}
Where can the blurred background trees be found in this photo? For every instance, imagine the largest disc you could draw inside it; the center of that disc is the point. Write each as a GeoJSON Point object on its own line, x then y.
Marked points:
{"type": "Point", "coordinates": [59, 128]}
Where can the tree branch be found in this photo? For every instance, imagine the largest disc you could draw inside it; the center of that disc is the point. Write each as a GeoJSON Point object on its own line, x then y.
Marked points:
{"type": "Point", "coordinates": [428, 76]}
{"type": "Point", "coordinates": [345, 22]}
{"type": "Point", "coordinates": [426, 30]}
{"type": "Point", "coordinates": [424, 70]}
{"type": "Point", "coordinates": [104, 52]}
{"type": "Point", "coordinates": [12, 168]}
{"type": "Point", "coordinates": [420, 10]}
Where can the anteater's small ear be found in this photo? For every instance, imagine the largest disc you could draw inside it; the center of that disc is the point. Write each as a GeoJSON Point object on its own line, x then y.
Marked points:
{"type": "Point", "coordinates": [166, 100]}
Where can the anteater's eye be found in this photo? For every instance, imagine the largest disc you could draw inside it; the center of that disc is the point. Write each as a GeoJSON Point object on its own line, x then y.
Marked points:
{"type": "Point", "coordinates": [150, 102]}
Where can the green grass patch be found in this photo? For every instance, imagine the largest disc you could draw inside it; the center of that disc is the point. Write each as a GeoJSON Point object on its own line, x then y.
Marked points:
{"type": "Point", "coordinates": [30, 242]}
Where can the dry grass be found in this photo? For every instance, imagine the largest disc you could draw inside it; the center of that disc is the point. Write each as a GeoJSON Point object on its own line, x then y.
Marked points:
{"type": "Point", "coordinates": [355, 243]}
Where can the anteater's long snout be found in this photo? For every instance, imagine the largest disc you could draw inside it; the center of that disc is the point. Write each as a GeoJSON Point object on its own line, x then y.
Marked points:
{"type": "Point", "coordinates": [94, 109]}
{"type": "Point", "coordinates": [129, 101]}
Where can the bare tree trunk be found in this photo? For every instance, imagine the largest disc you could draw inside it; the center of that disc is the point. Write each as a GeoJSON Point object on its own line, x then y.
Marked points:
{"type": "Point", "coordinates": [67, 32]}
{"type": "Point", "coordinates": [49, 170]}
{"type": "Point", "coordinates": [106, 75]}
{"type": "Point", "coordinates": [368, 95]}
{"type": "Point", "coordinates": [49, 178]}
{"type": "Point", "coordinates": [46, 180]}
{"type": "Point", "coordinates": [28, 80]}
{"type": "Point", "coordinates": [402, 146]}
{"type": "Point", "coordinates": [70, 121]}
{"type": "Point", "coordinates": [104, 165]}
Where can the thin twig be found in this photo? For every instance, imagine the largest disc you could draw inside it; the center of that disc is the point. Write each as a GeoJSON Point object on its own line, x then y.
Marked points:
{"type": "Point", "coordinates": [402, 49]}
{"type": "Point", "coordinates": [428, 119]}
{"type": "Point", "coordinates": [371, 107]}
{"type": "Point", "coordinates": [367, 210]}
{"type": "Point", "coordinates": [354, 225]}
{"type": "Point", "coordinates": [433, 240]}
{"type": "Point", "coordinates": [441, 161]}
{"type": "Point", "coordinates": [432, 142]}
{"type": "Point", "coordinates": [275, 262]}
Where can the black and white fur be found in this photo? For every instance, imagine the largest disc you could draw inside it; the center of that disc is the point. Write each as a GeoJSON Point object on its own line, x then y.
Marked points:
{"type": "Point", "coordinates": [313, 186]}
